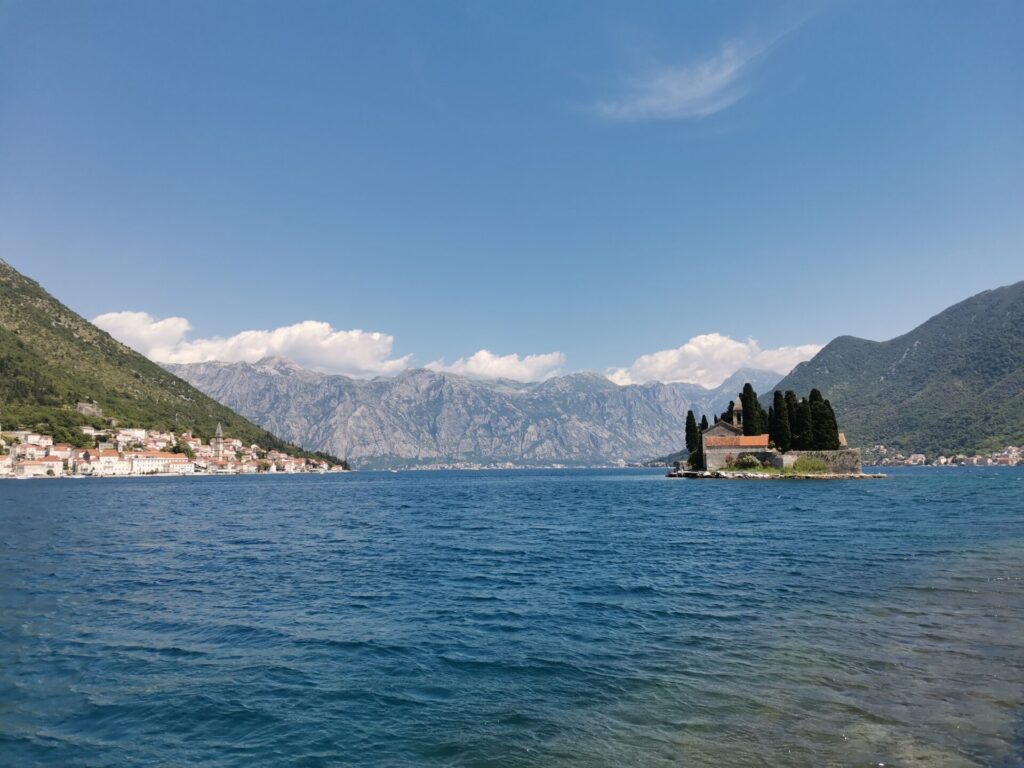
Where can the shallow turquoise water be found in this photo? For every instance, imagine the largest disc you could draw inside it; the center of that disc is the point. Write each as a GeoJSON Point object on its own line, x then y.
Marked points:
{"type": "Point", "coordinates": [584, 618]}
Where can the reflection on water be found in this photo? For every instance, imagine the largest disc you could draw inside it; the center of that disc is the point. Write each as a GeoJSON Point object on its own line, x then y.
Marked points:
{"type": "Point", "coordinates": [513, 618]}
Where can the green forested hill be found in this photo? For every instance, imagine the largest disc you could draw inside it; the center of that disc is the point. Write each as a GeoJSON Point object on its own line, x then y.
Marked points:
{"type": "Point", "coordinates": [52, 359]}
{"type": "Point", "coordinates": [953, 384]}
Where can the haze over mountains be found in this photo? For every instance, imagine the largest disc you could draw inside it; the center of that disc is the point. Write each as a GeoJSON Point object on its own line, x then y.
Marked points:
{"type": "Point", "coordinates": [428, 417]}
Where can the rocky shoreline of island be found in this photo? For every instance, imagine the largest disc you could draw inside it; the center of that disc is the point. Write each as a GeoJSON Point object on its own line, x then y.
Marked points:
{"type": "Point", "coordinates": [694, 474]}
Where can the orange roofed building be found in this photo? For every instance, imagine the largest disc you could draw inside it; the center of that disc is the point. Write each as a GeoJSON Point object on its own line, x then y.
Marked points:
{"type": "Point", "coordinates": [723, 443]}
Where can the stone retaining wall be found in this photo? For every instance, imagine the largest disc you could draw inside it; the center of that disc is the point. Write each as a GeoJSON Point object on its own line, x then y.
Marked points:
{"type": "Point", "coordinates": [720, 458]}
{"type": "Point", "coordinates": [843, 460]}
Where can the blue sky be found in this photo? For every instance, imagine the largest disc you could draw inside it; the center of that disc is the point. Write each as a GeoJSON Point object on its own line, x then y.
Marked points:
{"type": "Point", "coordinates": [589, 183]}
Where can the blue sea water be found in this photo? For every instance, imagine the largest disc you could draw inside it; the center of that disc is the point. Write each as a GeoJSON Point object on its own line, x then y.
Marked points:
{"type": "Point", "coordinates": [522, 618]}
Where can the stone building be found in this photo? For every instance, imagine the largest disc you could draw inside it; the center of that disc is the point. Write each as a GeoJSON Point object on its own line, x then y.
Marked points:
{"type": "Point", "coordinates": [723, 443]}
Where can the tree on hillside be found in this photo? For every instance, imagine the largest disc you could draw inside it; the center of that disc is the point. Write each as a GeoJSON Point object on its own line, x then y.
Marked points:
{"type": "Point", "coordinates": [779, 432]}
{"type": "Point", "coordinates": [184, 448]}
{"type": "Point", "coordinates": [692, 433]}
{"type": "Point", "coordinates": [704, 422]}
{"type": "Point", "coordinates": [802, 424]}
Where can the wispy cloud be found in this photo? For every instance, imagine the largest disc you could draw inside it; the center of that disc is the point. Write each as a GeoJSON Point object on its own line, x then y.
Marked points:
{"type": "Point", "coordinates": [694, 90]}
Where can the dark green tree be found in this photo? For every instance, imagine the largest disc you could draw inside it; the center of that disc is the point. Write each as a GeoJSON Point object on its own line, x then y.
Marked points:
{"type": "Point", "coordinates": [692, 433]}
{"type": "Point", "coordinates": [185, 448]}
{"type": "Point", "coordinates": [779, 429]}
{"type": "Point", "coordinates": [824, 434]}
{"type": "Point", "coordinates": [727, 414]}
{"type": "Point", "coordinates": [751, 411]}
{"type": "Point", "coordinates": [696, 458]}
{"type": "Point", "coordinates": [803, 427]}
{"type": "Point", "coordinates": [704, 422]}
{"type": "Point", "coordinates": [830, 432]}
{"type": "Point", "coordinates": [791, 404]}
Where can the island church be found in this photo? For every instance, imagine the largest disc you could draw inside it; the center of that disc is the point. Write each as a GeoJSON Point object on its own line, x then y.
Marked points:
{"type": "Point", "coordinates": [724, 442]}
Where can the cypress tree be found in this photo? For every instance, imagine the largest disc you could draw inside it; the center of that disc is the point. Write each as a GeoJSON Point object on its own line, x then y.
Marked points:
{"type": "Point", "coordinates": [727, 414]}
{"type": "Point", "coordinates": [692, 434]}
{"type": "Point", "coordinates": [833, 427]}
{"type": "Point", "coordinates": [817, 438]}
{"type": "Point", "coordinates": [780, 432]}
{"type": "Point", "coordinates": [803, 423]}
{"type": "Point", "coordinates": [791, 404]}
{"type": "Point", "coordinates": [704, 422]}
{"type": "Point", "coordinates": [751, 411]}
{"type": "Point", "coordinates": [823, 428]}
{"type": "Point", "coordinates": [696, 459]}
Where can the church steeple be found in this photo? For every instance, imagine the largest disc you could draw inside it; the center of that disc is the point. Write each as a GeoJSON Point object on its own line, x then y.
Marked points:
{"type": "Point", "coordinates": [218, 443]}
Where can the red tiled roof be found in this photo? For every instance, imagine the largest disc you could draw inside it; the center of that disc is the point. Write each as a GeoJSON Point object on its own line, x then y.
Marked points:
{"type": "Point", "coordinates": [740, 441]}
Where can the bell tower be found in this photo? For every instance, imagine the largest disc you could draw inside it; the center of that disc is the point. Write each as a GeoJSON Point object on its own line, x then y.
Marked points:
{"type": "Point", "coordinates": [218, 443]}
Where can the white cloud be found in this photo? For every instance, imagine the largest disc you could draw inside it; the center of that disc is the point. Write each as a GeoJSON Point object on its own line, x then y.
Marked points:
{"type": "Point", "coordinates": [311, 344]}
{"type": "Point", "coordinates": [143, 333]}
{"type": "Point", "coordinates": [487, 365]}
{"type": "Point", "coordinates": [709, 360]}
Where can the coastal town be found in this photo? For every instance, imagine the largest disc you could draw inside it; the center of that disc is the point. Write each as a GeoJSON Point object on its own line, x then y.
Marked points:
{"type": "Point", "coordinates": [1010, 456]}
{"type": "Point", "coordinates": [122, 452]}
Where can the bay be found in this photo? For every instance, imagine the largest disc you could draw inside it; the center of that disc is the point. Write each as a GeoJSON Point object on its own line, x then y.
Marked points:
{"type": "Point", "coordinates": [513, 618]}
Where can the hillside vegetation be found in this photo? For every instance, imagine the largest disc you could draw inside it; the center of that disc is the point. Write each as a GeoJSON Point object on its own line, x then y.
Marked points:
{"type": "Point", "coordinates": [953, 384]}
{"type": "Point", "coordinates": [51, 359]}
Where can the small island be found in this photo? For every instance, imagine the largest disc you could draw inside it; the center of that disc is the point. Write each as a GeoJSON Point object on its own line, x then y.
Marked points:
{"type": "Point", "coordinates": [793, 439]}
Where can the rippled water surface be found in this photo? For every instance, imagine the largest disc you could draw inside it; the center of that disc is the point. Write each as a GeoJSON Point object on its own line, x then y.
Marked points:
{"type": "Point", "coordinates": [584, 618]}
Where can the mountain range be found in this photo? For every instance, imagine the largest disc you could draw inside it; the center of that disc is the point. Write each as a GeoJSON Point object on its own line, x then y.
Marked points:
{"type": "Point", "coordinates": [955, 383]}
{"type": "Point", "coordinates": [422, 417]}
